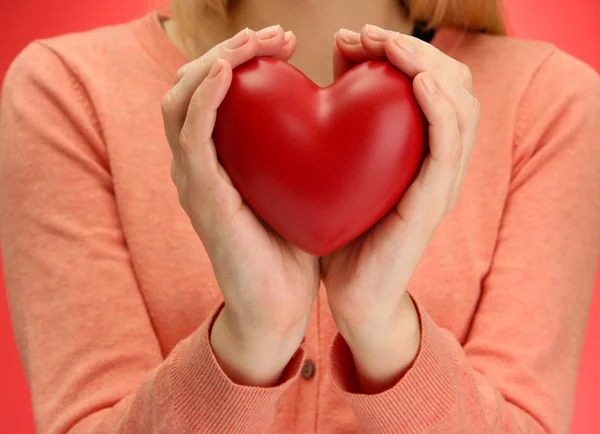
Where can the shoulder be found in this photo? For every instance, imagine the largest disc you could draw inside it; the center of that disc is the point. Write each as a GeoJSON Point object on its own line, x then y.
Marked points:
{"type": "Point", "coordinates": [92, 59]}
{"type": "Point", "coordinates": [108, 45]}
{"type": "Point", "coordinates": [53, 86]}
{"type": "Point", "coordinates": [56, 72]}
{"type": "Point", "coordinates": [548, 99]}
{"type": "Point", "coordinates": [516, 67]}
{"type": "Point", "coordinates": [534, 83]}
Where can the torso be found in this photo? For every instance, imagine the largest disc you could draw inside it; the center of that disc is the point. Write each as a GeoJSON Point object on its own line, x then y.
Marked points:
{"type": "Point", "coordinates": [173, 271]}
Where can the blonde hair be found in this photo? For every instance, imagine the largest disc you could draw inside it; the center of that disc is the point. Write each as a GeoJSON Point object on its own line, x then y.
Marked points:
{"type": "Point", "coordinates": [474, 15]}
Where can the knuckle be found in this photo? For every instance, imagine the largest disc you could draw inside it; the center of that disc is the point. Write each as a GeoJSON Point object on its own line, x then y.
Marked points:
{"type": "Point", "coordinates": [182, 191]}
{"type": "Point", "coordinates": [183, 202]}
{"type": "Point", "coordinates": [206, 61]}
{"type": "Point", "coordinates": [470, 110]}
{"type": "Point", "coordinates": [185, 139]}
{"type": "Point", "coordinates": [200, 66]}
{"type": "Point", "coordinates": [466, 75]}
{"type": "Point", "coordinates": [197, 101]}
{"type": "Point", "coordinates": [174, 176]}
{"type": "Point", "coordinates": [166, 103]}
{"type": "Point", "coordinates": [180, 73]}
{"type": "Point", "coordinates": [475, 109]}
{"type": "Point", "coordinates": [446, 113]}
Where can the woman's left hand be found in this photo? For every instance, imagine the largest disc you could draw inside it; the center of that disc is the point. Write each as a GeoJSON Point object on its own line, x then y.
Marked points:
{"type": "Point", "coordinates": [366, 281]}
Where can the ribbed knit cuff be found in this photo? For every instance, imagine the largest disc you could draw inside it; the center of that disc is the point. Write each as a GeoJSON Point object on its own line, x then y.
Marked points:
{"type": "Point", "coordinates": [208, 401]}
{"type": "Point", "coordinates": [423, 397]}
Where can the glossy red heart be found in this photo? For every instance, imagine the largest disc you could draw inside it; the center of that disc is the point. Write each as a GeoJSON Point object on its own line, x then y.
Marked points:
{"type": "Point", "coordinates": [320, 165]}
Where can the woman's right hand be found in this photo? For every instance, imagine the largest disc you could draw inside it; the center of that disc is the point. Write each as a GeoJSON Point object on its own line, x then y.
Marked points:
{"type": "Point", "coordinates": [268, 285]}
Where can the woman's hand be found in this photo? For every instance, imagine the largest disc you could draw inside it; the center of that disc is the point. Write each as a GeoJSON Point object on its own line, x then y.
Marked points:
{"type": "Point", "coordinates": [267, 284]}
{"type": "Point", "coordinates": [366, 280]}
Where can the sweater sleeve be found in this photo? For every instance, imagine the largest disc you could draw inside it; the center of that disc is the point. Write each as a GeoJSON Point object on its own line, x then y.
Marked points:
{"type": "Point", "coordinates": [91, 357]}
{"type": "Point", "coordinates": [516, 372]}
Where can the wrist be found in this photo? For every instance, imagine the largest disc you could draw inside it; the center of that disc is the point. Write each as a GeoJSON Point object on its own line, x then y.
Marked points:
{"type": "Point", "coordinates": [384, 351]}
{"type": "Point", "coordinates": [250, 357]}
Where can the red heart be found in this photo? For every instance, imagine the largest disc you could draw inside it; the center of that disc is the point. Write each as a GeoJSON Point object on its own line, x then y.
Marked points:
{"type": "Point", "coordinates": [320, 165]}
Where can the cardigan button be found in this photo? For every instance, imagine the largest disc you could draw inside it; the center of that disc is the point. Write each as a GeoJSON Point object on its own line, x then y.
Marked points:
{"type": "Point", "coordinates": [308, 369]}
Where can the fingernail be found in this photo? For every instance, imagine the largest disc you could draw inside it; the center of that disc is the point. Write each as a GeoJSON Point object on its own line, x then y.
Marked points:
{"type": "Point", "coordinates": [287, 35]}
{"type": "Point", "coordinates": [376, 33]}
{"type": "Point", "coordinates": [215, 68]}
{"type": "Point", "coordinates": [268, 32]}
{"type": "Point", "coordinates": [405, 43]}
{"type": "Point", "coordinates": [429, 84]}
{"type": "Point", "coordinates": [349, 37]}
{"type": "Point", "coordinates": [238, 40]}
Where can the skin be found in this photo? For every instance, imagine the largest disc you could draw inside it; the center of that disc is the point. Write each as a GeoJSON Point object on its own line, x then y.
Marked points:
{"type": "Point", "coordinates": [269, 285]}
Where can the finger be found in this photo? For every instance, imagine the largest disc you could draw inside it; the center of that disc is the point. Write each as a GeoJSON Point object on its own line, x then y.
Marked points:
{"type": "Point", "coordinates": [455, 86]}
{"type": "Point", "coordinates": [348, 52]}
{"type": "Point", "coordinates": [237, 50]}
{"type": "Point", "coordinates": [453, 77]}
{"type": "Point", "coordinates": [269, 41]}
{"type": "Point", "coordinates": [373, 39]}
{"type": "Point", "coordinates": [289, 46]}
{"type": "Point", "coordinates": [175, 102]}
{"type": "Point", "coordinates": [413, 58]}
{"type": "Point", "coordinates": [427, 200]}
{"type": "Point", "coordinates": [421, 56]}
{"type": "Point", "coordinates": [341, 63]}
{"type": "Point", "coordinates": [445, 142]}
{"type": "Point", "coordinates": [198, 153]}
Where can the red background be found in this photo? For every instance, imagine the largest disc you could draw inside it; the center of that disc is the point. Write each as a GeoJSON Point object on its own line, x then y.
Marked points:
{"type": "Point", "coordinates": [572, 25]}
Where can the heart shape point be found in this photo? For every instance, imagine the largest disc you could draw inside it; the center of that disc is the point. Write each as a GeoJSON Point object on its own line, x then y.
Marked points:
{"type": "Point", "coordinates": [320, 165]}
